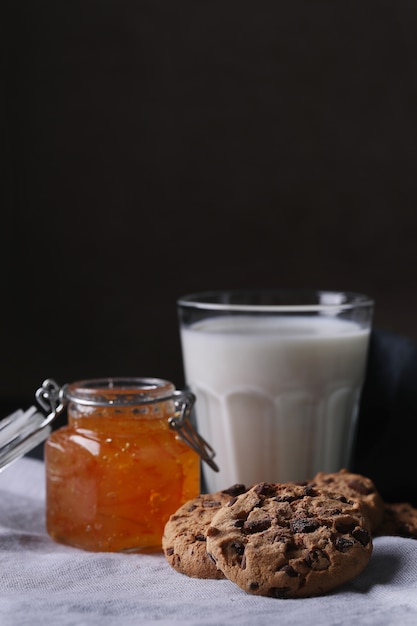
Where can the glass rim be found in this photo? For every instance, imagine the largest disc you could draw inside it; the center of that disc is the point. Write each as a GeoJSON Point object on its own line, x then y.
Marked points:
{"type": "Point", "coordinates": [327, 300]}
{"type": "Point", "coordinates": [118, 391]}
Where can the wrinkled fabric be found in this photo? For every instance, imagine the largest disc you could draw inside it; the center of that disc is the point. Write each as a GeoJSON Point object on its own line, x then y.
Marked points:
{"type": "Point", "coordinates": [43, 582]}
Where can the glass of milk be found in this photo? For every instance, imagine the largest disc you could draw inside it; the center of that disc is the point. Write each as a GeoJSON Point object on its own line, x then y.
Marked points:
{"type": "Point", "coordinates": [278, 377]}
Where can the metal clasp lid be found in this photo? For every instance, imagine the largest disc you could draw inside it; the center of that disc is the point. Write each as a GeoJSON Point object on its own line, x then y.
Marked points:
{"type": "Point", "coordinates": [22, 431]}
{"type": "Point", "coordinates": [180, 422]}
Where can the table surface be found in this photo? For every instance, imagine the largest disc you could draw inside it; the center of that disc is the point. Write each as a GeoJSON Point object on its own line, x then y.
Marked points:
{"type": "Point", "coordinates": [43, 582]}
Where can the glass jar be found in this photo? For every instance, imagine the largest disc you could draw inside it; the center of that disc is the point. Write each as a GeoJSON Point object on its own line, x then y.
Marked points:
{"type": "Point", "coordinates": [118, 470]}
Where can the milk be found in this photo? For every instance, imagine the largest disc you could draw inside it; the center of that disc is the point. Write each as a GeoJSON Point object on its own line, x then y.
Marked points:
{"type": "Point", "coordinates": [277, 397]}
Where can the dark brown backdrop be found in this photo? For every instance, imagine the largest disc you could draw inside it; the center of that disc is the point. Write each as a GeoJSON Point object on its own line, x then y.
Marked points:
{"type": "Point", "coordinates": [154, 148]}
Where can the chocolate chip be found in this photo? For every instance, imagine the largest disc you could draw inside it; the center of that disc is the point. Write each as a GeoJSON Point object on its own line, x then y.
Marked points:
{"type": "Point", "coordinates": [361, 535]}
{"type": "Point", "coordinates": [235, 490]}
{"type": "Point", "coordinates": [169, 551]}
{"type": "Point", "coordinates": [265, 489]}
{"type": "Point", "coordinates": [360, 487]}
{"type": "Point", "coordinates": [342, 499]}
{"type": "Point", "coordinates": [289, 570]}
{"type": "Point", "coordinates": [342, 544]}
{"type": "Point", "coordinates": [239, 523]}
{"type": "Point", "coordinates": [290, 546]}
{"type": "Point", "coordinates": [304, 525]}
{"type": "Point", "coordinates": [212, 531]}
{"type": "Point", "coordinates": [286, 498]}
{"type": "Point", "coordinates": [256, 526]}
{"type": "Point", "coordinates": [317, 560]}
{"type": "Point", "coordinates": [345, 527]}
{"type": "Point", "coordinates": [334, 512]}
{"type": "Point", "coordinates": [310, 491]}
{"type": "Point", "coordinates": [238, 547]}
{"type": "Point", "coordinates": [200, 537]}
{"type": "Point", "coordinates": [253, 586]}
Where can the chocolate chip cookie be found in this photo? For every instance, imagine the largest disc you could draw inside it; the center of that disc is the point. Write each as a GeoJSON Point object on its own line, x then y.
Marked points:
{"type": "Point", "coordinates": [400, 520]}
{"type": "Point", "coordinates": [354, 487]}
{"type": "Point", "coordinates": [184, 540]}
{"type": "Point", "coordinates": [289, 541]}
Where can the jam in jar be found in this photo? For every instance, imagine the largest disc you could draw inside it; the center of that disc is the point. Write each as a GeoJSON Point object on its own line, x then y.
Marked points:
{"type": "Point", "coordinates": [118, 470]}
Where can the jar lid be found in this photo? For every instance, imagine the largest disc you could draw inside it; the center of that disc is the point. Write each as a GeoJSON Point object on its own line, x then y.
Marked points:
{"type": "Point", "coordinates": [118, 391]}
{"type": "Point", "coordinates": [22, 431]}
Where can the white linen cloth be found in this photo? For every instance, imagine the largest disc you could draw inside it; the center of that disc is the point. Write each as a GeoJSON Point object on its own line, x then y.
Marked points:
{"type": "Point", "coordinates": [43, 582]}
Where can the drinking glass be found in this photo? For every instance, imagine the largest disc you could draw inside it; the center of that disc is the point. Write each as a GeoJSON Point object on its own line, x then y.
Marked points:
{"type": "Point", "coordinates": [277, 376]}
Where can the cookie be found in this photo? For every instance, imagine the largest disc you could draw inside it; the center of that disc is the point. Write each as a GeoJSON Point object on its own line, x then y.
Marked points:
{"type": "Point", "coordinates": [400, 520]}
{"type": "Point", "coordinates": [354, 487]}
{"type": "Point", "coordinates": [289, 541]}
{"type": "Point", "coordinates": [184, 539]}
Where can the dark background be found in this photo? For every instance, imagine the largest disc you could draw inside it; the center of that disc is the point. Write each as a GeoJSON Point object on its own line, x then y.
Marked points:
{"type": "Point", "coordinates": [154, 148]}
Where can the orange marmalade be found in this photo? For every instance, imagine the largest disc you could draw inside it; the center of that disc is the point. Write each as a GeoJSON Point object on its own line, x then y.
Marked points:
{"type": "Point", "coordinates": [117, 471]}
